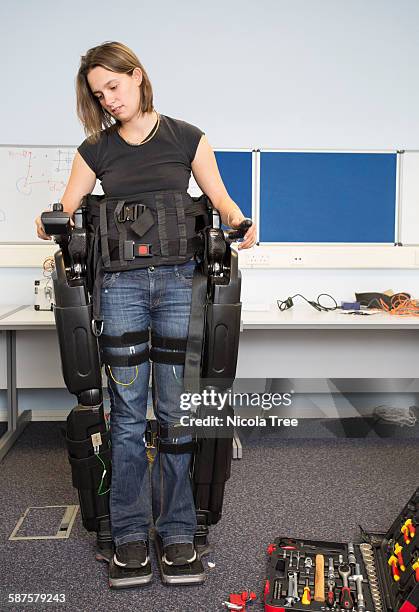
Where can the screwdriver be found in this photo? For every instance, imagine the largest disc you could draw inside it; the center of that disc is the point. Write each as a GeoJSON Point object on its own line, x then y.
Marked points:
{"type": "Point", "coordinates": [306, 598]}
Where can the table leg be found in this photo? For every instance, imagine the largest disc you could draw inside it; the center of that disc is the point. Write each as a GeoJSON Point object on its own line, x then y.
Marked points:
{"type": "Point", "coordinates": [15, 423]}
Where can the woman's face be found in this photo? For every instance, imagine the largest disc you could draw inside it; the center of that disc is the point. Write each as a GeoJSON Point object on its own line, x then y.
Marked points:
{"type": "Point", "coordinates": [118, 93]}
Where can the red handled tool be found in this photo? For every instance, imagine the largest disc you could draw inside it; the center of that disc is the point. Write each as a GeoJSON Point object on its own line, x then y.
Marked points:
{"type": "Point", "coordinates": [345, 600]}
{"type": "Point", "coordinates": [238, 601]}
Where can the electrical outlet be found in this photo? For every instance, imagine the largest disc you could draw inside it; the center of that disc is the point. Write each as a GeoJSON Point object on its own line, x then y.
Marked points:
{"type": "Point", "coordinates": [297, 260]}
{"type": "Point", "coordinates": [264, 259]}
{"type": "Point", "coordinates": [259, 259]}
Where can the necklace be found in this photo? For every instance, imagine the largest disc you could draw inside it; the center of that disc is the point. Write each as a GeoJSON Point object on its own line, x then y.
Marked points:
{"type": "Point", "coordinates": [153, 132]}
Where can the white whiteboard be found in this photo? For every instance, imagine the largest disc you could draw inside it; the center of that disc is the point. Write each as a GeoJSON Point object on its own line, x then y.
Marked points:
{"type": "Point", "coordinates": [31, 179]}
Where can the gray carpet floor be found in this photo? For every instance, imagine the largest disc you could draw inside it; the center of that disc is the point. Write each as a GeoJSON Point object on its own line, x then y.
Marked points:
{"type": "Point", "coordinates": [313, 488]}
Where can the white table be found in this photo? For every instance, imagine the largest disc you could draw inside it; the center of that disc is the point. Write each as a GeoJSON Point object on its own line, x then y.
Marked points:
{"type": "Point", "coordinates": [15, 424]}
{"type": "Point", "coordinates": [266, 322]}
{"type": "Point", "coordinates": [7, 310]}
{"type": "Point", "coordinates": [306, 317]}
{"type": "Point", "coordinates": [304, 343]}
{"type": "Point", "coordinates": [26, 317]}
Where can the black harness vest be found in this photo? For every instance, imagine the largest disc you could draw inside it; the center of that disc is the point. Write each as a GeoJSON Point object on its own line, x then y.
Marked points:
{"type": "Point", "coordinates": [147, 229]}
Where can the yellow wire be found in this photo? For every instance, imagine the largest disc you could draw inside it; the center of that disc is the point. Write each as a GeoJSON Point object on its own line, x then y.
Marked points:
{"type": "Point", "coordinates": [121, 383]}
{"type": "Point", "coordinates": [150, 455]}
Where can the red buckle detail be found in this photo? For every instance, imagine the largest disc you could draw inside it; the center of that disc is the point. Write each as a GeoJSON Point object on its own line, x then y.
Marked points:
{"type": "Point", "coordinates": [143, 249]}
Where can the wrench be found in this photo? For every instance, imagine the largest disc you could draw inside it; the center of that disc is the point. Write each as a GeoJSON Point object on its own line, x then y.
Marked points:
{"type": "Point", "coordinates": [358, 578]}
{"type": "Point", "coordinates": [345, 599]}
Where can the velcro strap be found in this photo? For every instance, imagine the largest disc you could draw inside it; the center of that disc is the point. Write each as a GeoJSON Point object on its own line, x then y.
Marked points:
{"type": "Point", "coordinates": [121, 230]}
{"type": "Point", "coordinates": [162, 227]}
{"type": "Point", "coordinates": [164, 342]}
{"type": "Point", "coordinates": [104, 243]}
{"type": "Point", "coordinates": [175, 358]}
{"type": "Point", "coordinates": [181, 223]}
{"type": "Point", "coordinates": [143, 223]}
{"type": "Point", "coordinates": [125, 360]}
{"type": "Point", "coordinates": [175, 431]}
{"type": "Point", "coordinates": [172, 246]}
{"type": "Point", "coordinates": [176, 449]}
{"type": "Point", "coordinates": [77, 447]}
{"type": "Point", "coordinates": [125, 339]}
{"type": "Point", "coordinates": [131, 250]}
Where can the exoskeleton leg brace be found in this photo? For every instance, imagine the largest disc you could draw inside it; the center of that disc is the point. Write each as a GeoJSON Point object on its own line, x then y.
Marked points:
{"type": "Point", "coordinates": [210, 357]}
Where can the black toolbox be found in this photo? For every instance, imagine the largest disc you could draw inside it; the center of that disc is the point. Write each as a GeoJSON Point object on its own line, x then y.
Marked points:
{"type": "Point", "coordinates": [380, 574]}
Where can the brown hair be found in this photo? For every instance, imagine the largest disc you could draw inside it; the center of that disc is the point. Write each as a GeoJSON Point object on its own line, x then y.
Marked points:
{"type": "Point", "coordinates": [116, 57]}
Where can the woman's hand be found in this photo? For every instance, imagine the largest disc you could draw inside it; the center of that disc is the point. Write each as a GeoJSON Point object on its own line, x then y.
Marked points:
{"type": "Point", "coordinates": [249, 237]}
{"type": "Point", "coordinates": [40, 228]}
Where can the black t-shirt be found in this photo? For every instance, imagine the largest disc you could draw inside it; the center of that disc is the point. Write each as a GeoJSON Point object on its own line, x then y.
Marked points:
{"type": "Point", "coordinates": [162, 163]}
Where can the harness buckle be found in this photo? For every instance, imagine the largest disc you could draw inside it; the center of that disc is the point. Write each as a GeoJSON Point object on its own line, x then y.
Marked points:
{"type": "Point", "coordinates": [143, 250]}
{"type": "Point", "coordinates": [130, 212]}
{"type": "Point", "coordinates": [133, 249]}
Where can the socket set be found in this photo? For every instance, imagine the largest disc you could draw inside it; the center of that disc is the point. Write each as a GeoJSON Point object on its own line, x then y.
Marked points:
{"type": "Point", "coordinates": [380, 574]}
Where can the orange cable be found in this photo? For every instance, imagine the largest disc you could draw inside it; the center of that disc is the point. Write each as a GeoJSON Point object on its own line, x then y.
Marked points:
{"type": "Point", "coordinates": [401, 305]}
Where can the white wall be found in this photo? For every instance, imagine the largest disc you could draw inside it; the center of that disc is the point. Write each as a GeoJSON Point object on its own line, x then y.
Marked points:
{"type": "Point", "coordinates": [275, 73]}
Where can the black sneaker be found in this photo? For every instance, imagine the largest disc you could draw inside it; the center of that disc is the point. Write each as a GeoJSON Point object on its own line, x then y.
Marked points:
{"type": "Point", "coordinates": [179, 554]}
{"type": "Point", "coordinates": [131, 555]}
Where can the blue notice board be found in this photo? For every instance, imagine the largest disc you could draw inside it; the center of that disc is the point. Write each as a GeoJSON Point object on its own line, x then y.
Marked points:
{"type": "Point", "coordinates": [327, 197]}
{"type": "Point", "coordinates": [236, 171]}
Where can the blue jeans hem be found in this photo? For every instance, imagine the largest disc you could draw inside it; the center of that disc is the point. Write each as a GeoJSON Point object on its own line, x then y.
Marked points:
{"type": "Point", "coordinates": [178, 539]}
{"type": "Point", "coordinates": [131, 537]}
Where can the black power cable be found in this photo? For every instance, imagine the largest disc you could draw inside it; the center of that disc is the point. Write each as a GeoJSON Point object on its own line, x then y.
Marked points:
{"type": "Point", "coordinates": [289, 303]}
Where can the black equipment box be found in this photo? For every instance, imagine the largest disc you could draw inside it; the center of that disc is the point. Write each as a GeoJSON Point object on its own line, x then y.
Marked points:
{"type": "Point", "coordinates": [381, 574]}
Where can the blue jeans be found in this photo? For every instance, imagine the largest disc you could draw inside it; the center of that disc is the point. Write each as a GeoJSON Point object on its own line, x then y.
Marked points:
{"type": "Point", "coordinates": [160, 298]}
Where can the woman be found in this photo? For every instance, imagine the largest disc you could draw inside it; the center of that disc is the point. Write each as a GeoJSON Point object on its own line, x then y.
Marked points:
{"type": "Point", "coordinates": [133, 149]}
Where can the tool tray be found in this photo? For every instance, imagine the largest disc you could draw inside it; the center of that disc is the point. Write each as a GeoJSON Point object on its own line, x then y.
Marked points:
{"type": "Point", "coordinates": [384, 588]}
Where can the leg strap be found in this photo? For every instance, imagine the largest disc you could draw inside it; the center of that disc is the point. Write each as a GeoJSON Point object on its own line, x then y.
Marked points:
{"type": "Point", "coordinates": [169, 350]}
{"type": "Point", "coordinates": [92, 472]}
{"type": "Point", "coordinates": [128, 339]}
{"type": "Point", "coordinates": [167, 432]}
{"type": "Point", "coordinates": [123, 361]}
{"type": "Point", "coordinates": [173, 432]}
{"type": "Point", "coordinates": [176, 449]}
{"type": "Point", "coordinates": [80, 448]}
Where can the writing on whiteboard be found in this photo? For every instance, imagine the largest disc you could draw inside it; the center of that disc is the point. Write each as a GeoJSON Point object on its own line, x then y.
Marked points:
{"type": "Point", "coordinates": [46, 169]}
